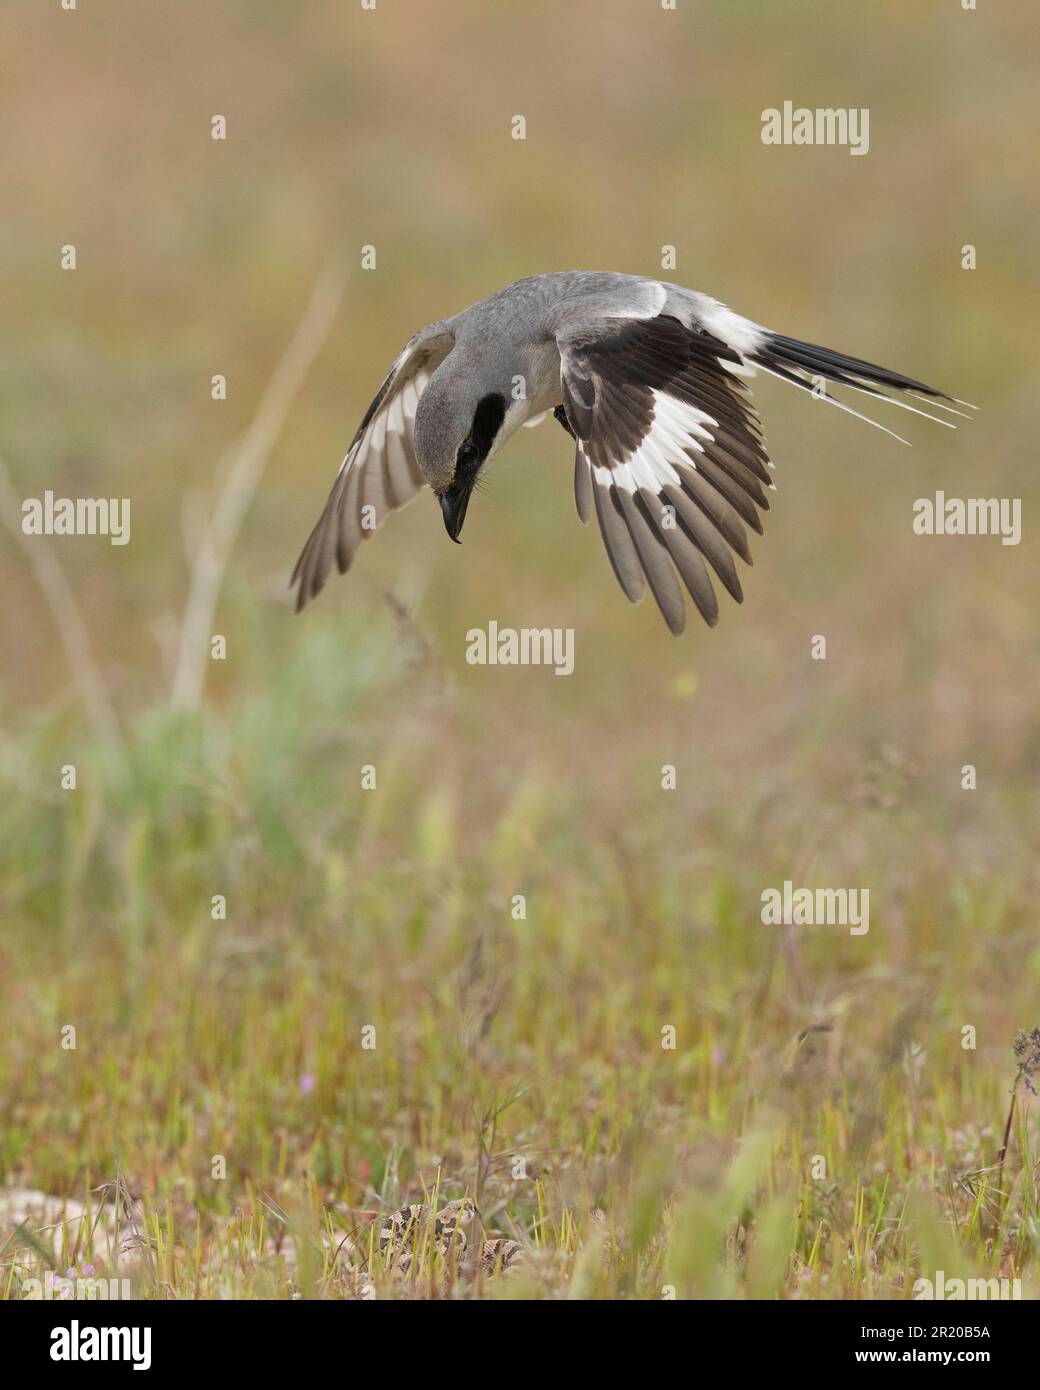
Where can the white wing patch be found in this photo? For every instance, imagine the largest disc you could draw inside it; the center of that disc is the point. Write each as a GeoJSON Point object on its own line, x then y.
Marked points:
{"type": "Point", "coordinates": [677, 431]}
{"type": "Point", "coordinates": [734, 330]}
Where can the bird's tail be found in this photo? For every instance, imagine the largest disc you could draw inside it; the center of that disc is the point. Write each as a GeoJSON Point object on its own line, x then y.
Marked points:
{"type": "Point", "coordinates": [810, 367]}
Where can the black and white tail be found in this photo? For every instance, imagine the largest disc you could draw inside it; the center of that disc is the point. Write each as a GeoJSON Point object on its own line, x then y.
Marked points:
{"type": "Point", "coordinates": [807, 366]}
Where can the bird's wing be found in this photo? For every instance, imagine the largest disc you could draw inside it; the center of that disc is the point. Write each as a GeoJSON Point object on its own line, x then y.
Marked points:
{"type": "Point", "coordinates": [379, 472]}
{"type": "Point", "coordinates": [670, 454]}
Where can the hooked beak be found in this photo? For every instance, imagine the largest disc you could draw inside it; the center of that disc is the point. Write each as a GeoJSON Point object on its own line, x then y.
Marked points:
{"type": "Point", "coordinates": [453, 504]}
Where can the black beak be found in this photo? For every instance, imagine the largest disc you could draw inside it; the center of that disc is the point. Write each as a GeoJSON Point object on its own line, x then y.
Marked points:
{"type": "Point", "coordinates": [453, 504]}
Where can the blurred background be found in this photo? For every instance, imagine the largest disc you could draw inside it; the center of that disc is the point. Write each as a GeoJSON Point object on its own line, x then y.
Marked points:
{"type": "Point", "coordinates": [391, 128]}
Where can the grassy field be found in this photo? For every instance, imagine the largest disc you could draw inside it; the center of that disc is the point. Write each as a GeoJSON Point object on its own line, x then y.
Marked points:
{"type": "Point", "coordinates": [368, 1018]}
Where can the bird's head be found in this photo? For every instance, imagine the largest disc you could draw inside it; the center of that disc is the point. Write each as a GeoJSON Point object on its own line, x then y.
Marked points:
{"type": "Point", "coordinates": [457, 425]}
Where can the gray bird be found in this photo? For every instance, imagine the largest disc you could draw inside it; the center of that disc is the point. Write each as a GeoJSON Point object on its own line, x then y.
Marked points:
{"type": "Point", "coordinates": [644, 375]}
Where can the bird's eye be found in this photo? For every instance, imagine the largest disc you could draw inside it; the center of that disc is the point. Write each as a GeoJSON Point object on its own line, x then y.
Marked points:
{"type": "Point", "coordinates": [487, 420]}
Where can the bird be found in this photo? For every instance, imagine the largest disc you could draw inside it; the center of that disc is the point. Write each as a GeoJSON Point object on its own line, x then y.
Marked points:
{"type": "Point", "coordinates": [650, 381]}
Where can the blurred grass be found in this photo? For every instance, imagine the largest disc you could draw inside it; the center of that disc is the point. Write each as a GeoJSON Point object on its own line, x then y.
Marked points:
{"type": "Point", "coordinates": [348, 908]}
{"type": "Point", "coordinates": [391, 907]}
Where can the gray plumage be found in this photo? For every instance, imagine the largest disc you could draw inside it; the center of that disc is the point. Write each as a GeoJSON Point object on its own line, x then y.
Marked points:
{"type": "Point", "coordinates": [649, 380]}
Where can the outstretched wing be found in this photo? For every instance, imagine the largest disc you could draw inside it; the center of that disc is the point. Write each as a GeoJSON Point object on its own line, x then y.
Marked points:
{"type": "Point", "coordinates": [670, 455]}
{"type": "Point", "coordinates": [379, 472]}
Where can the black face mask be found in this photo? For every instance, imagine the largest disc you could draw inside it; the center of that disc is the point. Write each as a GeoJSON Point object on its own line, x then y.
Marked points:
{"type": "Point", "coordinates": [487, 421]}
